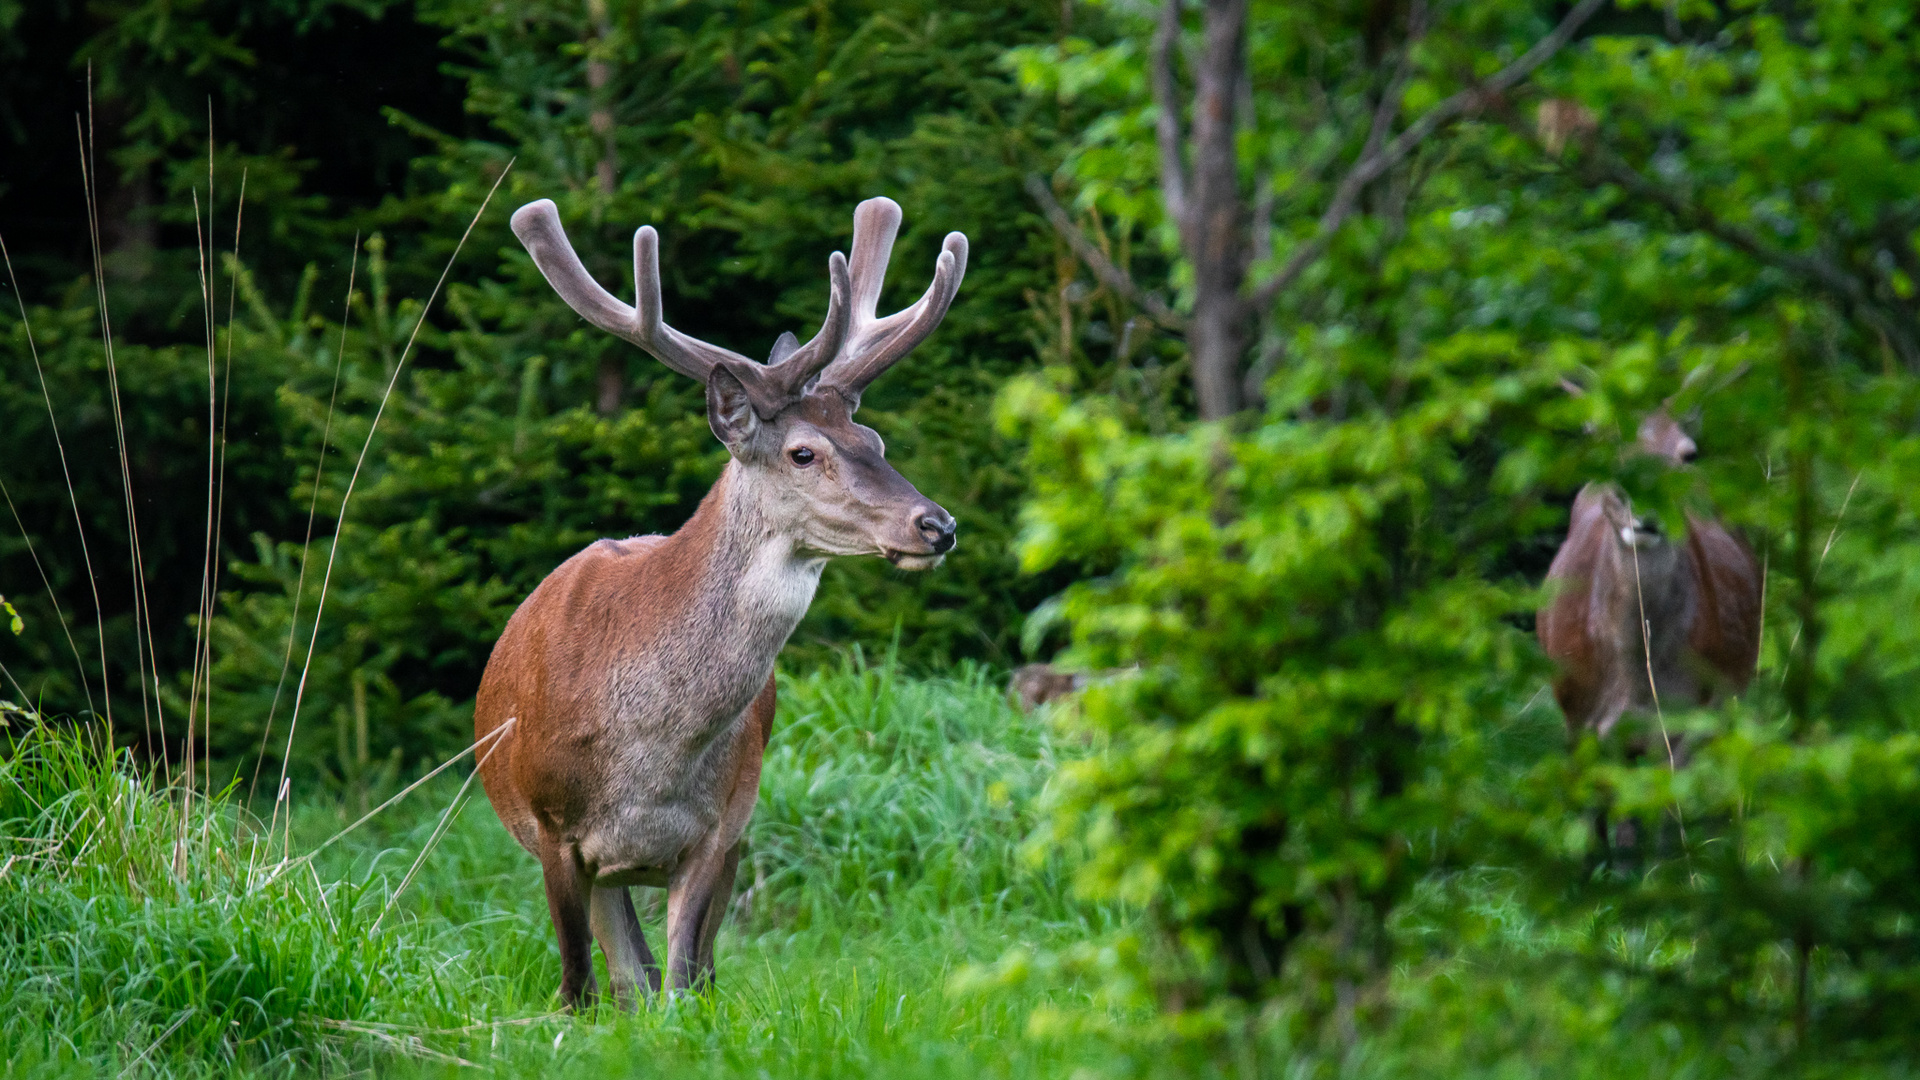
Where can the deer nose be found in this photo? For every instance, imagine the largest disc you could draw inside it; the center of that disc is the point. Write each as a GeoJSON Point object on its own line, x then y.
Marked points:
{"type": "Point", "coordinates": [1688, 451]}
{"type": "Point", "coordinates": [936, 527]}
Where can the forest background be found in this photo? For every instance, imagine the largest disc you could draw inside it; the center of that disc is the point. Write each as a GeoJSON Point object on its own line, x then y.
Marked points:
{"type": "Point", "coordinates": [1288, 334]}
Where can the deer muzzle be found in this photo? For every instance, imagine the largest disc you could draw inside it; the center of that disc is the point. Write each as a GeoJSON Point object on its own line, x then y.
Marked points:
{"type": "Point", "coordinates": [935, 529]}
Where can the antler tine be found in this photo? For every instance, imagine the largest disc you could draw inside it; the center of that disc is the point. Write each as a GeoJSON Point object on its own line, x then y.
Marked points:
{"type": "Point", "coordinates": [770, 387]}
{"type": "Point", "coordinates": [873, 345]}
{"type": "Point", "coordinates": [875, 224]}
{"type": "Point", "coordinates": [687, 355]}
{"type": "Point", "coordinates": [537, 224]}
{"type": "Point", "coordinates": [792, 370]}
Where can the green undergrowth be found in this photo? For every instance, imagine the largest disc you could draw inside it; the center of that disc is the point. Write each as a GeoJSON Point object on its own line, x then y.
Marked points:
{"type": "Point", "coordinates": [891, 919]}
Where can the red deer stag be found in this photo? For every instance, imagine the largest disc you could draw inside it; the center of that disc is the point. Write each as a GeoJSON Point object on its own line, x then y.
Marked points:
{"type": "Point", "coordinates": [1700, 602]}
{"type": "Point", "coordinates": [639, 675]}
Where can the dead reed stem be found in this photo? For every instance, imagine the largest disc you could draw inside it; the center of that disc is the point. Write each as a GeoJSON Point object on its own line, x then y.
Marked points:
{"type": "Point", "coordinates": [340, 521]}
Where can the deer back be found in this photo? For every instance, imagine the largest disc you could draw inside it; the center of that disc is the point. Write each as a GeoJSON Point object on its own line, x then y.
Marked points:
{"type": "Point", "coordinates": [1727, 583]}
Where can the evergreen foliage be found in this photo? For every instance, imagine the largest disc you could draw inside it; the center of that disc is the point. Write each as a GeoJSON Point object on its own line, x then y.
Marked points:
{"type": "Point", "coordinates": [516, 434]}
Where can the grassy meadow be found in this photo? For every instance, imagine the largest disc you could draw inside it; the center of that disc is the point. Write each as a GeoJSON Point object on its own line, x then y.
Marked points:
{"type": "Point", "coordinates": [884, 856]}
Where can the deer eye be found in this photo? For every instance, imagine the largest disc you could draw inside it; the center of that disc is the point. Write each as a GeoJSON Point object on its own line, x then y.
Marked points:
{"type": "Point", "coordinates": [801, 456]}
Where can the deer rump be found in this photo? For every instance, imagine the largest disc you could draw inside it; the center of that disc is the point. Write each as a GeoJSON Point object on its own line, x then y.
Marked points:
{"type": "Point", "coordinates": [1700, 601]}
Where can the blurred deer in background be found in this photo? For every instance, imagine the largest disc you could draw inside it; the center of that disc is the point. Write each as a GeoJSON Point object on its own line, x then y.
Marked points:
{"type": "Point", "coordinates": [1637, 619]}
{"type": "Point", "coordinates": [638, 677]}
{"type": "Point", "coordinates": [1033, 685]}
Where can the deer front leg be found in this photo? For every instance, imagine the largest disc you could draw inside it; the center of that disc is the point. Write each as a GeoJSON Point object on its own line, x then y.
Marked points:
{"type": "Point", "coordinates": [630, 966]}
{"type": "Point", "coordinates": [716, 914]}
{"type": "Point", "coordinates": [567, 904]}
{"type": "Point", "coordinates": [698, 896]}
{"type": "Point", "coordinates": [693, 900]}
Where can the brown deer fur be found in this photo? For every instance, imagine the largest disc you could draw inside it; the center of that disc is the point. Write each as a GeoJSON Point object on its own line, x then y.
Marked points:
{"type": "Point", "coordinates": [638, 675]}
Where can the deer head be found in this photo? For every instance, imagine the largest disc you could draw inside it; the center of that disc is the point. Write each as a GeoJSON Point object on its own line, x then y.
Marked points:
{"type": "Point", "coordinates": [815, 473]}
{"type": "Point", "coordinates": [1661, 435]}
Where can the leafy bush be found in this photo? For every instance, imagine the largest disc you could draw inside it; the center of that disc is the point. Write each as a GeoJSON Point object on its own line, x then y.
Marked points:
{"type": "Point", "coordinates": [1318, 699]}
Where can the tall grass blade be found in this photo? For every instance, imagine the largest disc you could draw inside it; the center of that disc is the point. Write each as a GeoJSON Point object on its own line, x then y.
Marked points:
{"type": "Point", "coordinates": [288, 863]}
{"type": "Point", "coordinates": [446, 818]}
{"type": "Point", "coordinates": [66, 475]}
{"type": "Point", "coordinates": [226, 402]}
{"type": "Point", "coordinates": [340, 521]}
{"type": "Point", "coordinates": [143, 624]}
{"type": "Point", "coordinates": [313, 506]}
{"type": "Point", "coordinates": [79, 665]}
{"type": "Point", "coordinates": [206, 552]}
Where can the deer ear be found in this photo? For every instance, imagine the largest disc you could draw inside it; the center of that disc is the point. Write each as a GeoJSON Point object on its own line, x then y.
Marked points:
{"type": "Point", "coordinates": [729, 413]}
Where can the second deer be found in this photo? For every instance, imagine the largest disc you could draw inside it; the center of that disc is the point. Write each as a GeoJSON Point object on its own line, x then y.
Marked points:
{"type": "Point", "coordinates": [1639, 620]}
{"type": "Point", "coordinates": [638, 677]}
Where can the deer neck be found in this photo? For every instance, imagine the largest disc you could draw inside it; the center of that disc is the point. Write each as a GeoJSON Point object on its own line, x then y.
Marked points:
{"type": "Point", "coordinates": [754, 582]}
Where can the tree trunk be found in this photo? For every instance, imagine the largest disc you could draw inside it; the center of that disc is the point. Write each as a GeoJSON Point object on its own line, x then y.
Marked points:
{"type": "Point", "coordinates": [1212, 216]}
{"type": "Point", "coordinates": [599, 74]}
{"type": "Point", "coordinates": [610, 386]}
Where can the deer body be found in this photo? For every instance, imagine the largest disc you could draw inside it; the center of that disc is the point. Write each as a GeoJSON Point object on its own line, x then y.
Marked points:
{"type": "Point", "coordinates": [659, 645]}
{"type": "Point", "coordinates": [1635, 612]}
{"type": "Point", "coordinates": [638, 676]}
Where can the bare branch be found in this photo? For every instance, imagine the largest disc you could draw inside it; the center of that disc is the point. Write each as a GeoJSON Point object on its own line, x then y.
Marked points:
{"type": "Point", "coordinates": [1110, 274]}
{"type": "Point", "coordinates": [1173, 171]}
{"type": "Point", "coordinates": [1818, 269]}
{"type": "Point", "coordinates": [1389, 106]}
{"type": "Point", "coordinates": [1374, 160]}
{"type": "Point", "coordinates": [1893, 232]}
{"type": "Point", "coordinates": [1263, 200]}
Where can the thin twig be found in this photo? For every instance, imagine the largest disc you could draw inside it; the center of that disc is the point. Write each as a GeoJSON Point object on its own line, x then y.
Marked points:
{"type": "Point", "coordinates": [144, 653]}
{"type": "Point", "coordinates": [220, 499]}
{"type": "Point", "coordinates": [446, 819]}
{"type": "Point", "coordinates": [1111, 274]}
{"type": "Point", "coordinates": [1817, 269]}
{"type": "Point", "coordinates": [79, 665]}
{"type": "Point", "coordinates": [24, 696]}
{"type": "Point", "coordinates": [73, 500]}
{"type": "Point", "coordinates": [376, 811]}
{"type": "Point", "coordinates": [313, 506]}
{"type": "Point", "coordinates": [143, 647]}
{"type": "Point", "coordinates": [1370, 167]}
{"type": "Point", "coordinates": [1832, 535]}
{"type": "Point", "coordinates": [1646, 645]}
{"type": "Point", "coordinates": [200, 245]}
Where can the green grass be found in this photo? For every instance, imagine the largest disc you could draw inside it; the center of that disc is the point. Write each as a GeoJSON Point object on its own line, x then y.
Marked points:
{"type": "Point", "coordinates": [885, 855]}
